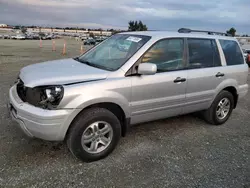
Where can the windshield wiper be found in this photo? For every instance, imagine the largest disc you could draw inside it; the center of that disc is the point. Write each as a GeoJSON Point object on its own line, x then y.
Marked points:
{"type": "Point", "coordinates": [76, 58]}
{"type": "Point", "coordinates": [92, 64]}
{"type": "Point", "coordinates": [101, 67]}
{"type": "Point", "coordinates": [82, 61]}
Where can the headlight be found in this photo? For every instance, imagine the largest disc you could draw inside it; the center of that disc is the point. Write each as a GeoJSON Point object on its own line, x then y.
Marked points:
{"type": "Point", "coordinates": [47, 97]}
{"type": "Point", "coordinates": [51, 96]}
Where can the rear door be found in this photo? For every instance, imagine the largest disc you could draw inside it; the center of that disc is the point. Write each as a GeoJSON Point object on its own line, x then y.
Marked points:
{"type": "Point", "coordinates": [204, 73]}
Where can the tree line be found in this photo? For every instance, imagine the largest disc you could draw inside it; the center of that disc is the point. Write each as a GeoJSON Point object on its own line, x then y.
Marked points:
{"type": "Point", "coordinates": [137, 26]}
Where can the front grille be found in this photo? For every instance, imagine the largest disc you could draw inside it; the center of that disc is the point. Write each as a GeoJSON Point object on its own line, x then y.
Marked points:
{"type": "Point", "coordinates": [21, 91]}
{"type": "Point", "coordinates": [29, 95]}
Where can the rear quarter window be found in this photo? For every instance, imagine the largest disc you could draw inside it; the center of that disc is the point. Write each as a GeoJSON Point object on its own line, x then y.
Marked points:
{"type": "Point", "coordinates": [232, 52]}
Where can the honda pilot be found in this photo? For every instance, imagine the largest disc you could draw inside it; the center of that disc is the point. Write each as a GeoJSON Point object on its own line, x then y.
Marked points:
{"type": "Point", "coordinates": [90, 101]}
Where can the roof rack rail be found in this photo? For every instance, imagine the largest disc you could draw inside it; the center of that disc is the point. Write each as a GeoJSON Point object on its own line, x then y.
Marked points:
{"type": "Point", "coordinates": [187, 30]}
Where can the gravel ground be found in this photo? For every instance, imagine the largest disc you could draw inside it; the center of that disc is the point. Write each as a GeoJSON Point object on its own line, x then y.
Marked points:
{"type": "Point", "coordinates": [176, 152]}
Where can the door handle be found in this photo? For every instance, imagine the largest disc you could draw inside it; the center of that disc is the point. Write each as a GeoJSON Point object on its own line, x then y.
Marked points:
{"type": "Point", "coordinates": [219, 74]}
{"type": "Point", "coordinates": [179, 79]}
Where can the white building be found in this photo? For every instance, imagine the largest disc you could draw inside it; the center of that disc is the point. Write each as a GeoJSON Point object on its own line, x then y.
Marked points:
{"type": "Point", "coordinates": [3, 25]}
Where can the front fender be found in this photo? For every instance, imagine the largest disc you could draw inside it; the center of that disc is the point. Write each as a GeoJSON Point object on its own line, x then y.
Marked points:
{"type": "Point", "coordinates": [80, 99]}
{"type": "Point", "coordinates": [86, 100]}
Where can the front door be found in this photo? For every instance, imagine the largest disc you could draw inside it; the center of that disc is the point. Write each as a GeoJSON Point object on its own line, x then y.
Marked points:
{"type": "Point", "coordinates": [163, 94]}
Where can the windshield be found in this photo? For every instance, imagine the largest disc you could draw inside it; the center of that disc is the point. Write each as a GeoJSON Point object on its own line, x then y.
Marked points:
{"type": "Point", "coordinates": [112, 53]}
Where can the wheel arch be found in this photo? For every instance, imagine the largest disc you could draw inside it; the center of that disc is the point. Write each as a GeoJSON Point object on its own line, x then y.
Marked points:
{"type": "Point", "coordinates": [233, 91]}
{"type": "Point", "coordinates": [230, 85]}
{"type": "Point", "coordinates": [111, 106]}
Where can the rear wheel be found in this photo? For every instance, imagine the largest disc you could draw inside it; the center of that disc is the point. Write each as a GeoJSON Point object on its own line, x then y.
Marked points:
{"type": "Point", "coordinates": [221, 108]}
{"type": "Point", "coordinates": [94, 134]}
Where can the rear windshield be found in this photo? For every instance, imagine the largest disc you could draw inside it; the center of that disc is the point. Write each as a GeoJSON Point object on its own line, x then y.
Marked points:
{"type": "Point", "coordinates": [232, 52]}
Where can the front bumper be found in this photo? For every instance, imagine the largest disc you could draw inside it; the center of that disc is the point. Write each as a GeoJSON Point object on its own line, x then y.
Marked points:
{"type": "Point", "coordinates": [40, 123]}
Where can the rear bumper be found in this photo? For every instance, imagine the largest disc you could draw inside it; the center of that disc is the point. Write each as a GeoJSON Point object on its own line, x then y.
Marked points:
{"type": "Point", "coordinates": [242, 90]}
{"type": "Point", "coordinates": [40, 123]}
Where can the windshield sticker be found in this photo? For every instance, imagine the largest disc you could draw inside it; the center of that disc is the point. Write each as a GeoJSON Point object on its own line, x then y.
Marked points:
{"type": "Point", "coordinates": [134, 39]}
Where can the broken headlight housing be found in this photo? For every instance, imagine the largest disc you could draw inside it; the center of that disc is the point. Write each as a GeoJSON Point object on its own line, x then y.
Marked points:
{"type": "Point", "coordinates": [52, 96]}
{"type": "Point", "coordinates": [47, 97]}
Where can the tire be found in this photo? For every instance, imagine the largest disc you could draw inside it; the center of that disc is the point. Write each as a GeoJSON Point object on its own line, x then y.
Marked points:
{"type": "Point", "coordinates": [210, 114]}
{"type": "Point", "coordinates": [83, 123]}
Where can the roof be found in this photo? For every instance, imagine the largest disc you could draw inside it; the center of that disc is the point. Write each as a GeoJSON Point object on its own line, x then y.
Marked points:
{"type": "Point", "coordinates": [167, 34]}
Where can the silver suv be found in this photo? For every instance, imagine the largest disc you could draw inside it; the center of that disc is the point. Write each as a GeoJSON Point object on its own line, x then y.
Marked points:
{"type": "Point", "coordinates": [91, 100]}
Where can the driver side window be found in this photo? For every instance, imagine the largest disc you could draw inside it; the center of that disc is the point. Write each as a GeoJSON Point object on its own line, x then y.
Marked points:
{"type": "Point", "coordinates": [168, 55]}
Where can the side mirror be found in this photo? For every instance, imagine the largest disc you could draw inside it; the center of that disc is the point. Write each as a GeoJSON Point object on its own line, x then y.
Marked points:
{"type": "Point", "coordinates": [147, 69]}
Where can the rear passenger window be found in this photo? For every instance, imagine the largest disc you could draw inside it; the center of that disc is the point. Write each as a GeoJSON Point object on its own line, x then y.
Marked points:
{"type": "Point", "coordinates": [232, 52]}
{"type": "Point", "coordinates": [203, 53]}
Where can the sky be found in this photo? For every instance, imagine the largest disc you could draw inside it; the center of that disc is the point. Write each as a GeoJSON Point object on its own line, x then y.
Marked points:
{"type": "Point", "coordinates": [216, 15]}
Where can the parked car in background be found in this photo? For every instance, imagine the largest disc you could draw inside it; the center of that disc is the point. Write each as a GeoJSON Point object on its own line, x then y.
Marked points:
{"type": "Point", "coordinates": [13, 37]}
{"type": "Point", "coordinates": [248, 60]}
{"type": "Point", "coordinates": [56, 36]}
{"type": "Point", "coordinates": [20, 37]}
{"type": "Point", "coordinates": [245, 53]}
{"type": "Point", "coordinates": [248, 57]}
{"type": "Point", "coordinates": [6, 36]}
{"type": "Point", "coordinates": [36, 37]}
{"type": "Point", "coordinates": [99, 39]}
{"type": "Point", "coordinates": [83, 38]}
{"type": "Point", "coordinates": [44, 37]}
{"type": "Point", "coordinates": [133, 77]}
{"type": "Point", "coordinates": [89, 41]}
{"type": "Point", "coordinates": [48, 37]}
{"type": "Point", "coordinates": [29, 37]}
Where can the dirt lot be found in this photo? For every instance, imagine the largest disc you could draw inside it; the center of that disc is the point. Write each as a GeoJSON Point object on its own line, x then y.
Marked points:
{"type": "Point", "coordinates": [177, 152]}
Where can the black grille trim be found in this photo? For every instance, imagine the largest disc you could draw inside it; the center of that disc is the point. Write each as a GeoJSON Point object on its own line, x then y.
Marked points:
{"type": "Point", "coordinates": [27, 94]}
{"type": "Point", "coordinates": [21, 90]}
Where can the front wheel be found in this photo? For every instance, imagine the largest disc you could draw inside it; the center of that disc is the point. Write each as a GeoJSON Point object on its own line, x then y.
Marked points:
{"type": "Point", "coordinates": [221, 108]}
{"type": "Point", "coordinates": [94, 134]}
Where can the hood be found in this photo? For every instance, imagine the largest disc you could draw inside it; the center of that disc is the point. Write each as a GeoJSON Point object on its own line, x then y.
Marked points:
{"type": "Point", "coordinates": [65, 71]}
